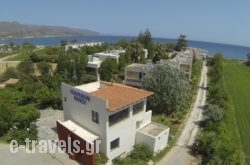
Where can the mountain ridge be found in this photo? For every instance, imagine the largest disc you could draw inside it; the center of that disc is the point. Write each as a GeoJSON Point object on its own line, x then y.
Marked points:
{"type": "Point", "coordinates": [16, 29]}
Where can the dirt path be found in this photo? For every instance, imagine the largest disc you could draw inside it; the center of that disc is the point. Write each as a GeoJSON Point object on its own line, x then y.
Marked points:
{"type": "Point", "coordinates": [7, 57]}
{"type": "Point", "coordinates": [179, 154]}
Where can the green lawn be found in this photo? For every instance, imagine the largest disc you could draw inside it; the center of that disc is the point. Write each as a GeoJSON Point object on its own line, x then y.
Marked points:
{"type": "Point", "coordinates": [19, 57]}
{"type": "Point", "coordinates": [237, 81]}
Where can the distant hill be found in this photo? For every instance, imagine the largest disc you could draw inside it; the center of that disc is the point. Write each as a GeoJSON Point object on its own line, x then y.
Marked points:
{"type": "Point", "coordinates": [16, 29]}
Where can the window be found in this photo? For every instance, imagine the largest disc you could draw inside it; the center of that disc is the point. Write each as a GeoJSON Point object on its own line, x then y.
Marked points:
{"type": "Point", "coordinates": [95, 117]}
{"type": "Point", "coordinates": [132, 75]}
{"type": "Point", "coordinates": [138, 107]}
{"type": "Point", "coordinates": [140, 75]}
{"type": "Point", "coordinates": [114, 144]}
{"type": "Point", "coordinates": [117, 117]}
{"type": "Point", "coordinates": [65, 99]}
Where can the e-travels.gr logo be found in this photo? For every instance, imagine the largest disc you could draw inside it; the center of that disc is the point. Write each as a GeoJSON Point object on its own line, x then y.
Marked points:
{"type": "Point", "coordinates": [80, 97]}
{"type": "Point", "coordinates": [52, 146]}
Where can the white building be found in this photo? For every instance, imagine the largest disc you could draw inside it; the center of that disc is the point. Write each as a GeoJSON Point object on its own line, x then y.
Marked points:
{"type": "Point", "coordinates": [134, 73]}
{"type": "Point", "coordinates": [94, 61]}
{"type": "Point", "coordinates": [184, 62]}
{"type": "Point", "coordinates": [80, 45]}
{"type": "Point", "coordinates": [114, 113]}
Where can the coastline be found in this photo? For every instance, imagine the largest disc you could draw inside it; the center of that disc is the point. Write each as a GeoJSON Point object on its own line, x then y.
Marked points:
{"type": "Point", "coordinates": [227, 50]}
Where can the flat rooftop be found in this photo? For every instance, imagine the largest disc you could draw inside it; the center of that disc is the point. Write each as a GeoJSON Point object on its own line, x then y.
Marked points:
{"type": "Point", "coordinates": [136, 65]}
{"type": "Point", "coordinates": [119, 95]}
{"type": "Point", "coordinates": [153, 129]}
{"type": "Point", "coordinates": [81, 132]}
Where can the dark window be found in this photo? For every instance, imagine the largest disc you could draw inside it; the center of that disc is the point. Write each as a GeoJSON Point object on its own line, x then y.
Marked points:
{"type": "Point", "coordinates": [117, 117]}
{"type": "Point", "coordinates": [95, 117]}
{"type": "Point", "coordinates": [65, 99]}
{"type": "Point", "coordinates": [115, 143]}
{"type": "Point", "coordinates": [138, 107]}
{"type": "Point", "coordinates": [140, 75]}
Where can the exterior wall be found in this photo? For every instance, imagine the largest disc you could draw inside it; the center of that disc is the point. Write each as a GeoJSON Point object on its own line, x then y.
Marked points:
{"type": "Point", "coordinates": [132, 76]}
{"type": "Point", "coordinates": [84, 158]}
{"type": "Point", "coordinates": [81, 114]}
{"type": "Point", "coordinates": [103, 56]}
{"type": "Point", "coordinates": [155, 144]}
{"type": "Point", "coordinates": [126, 131]}
{"type": "Point", "coordinates": [161, 141]}
{"type": "Point", "coordinates": [145, 139]}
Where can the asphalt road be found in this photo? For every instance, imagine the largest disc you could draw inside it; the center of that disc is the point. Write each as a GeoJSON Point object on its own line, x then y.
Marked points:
{"type": "Point", "coordinates": [180, 153]}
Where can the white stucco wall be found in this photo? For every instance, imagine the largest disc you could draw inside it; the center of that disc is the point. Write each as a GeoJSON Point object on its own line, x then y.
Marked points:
{"type": "Point", "coordinates": [81, 114]}
{"type": "Point", "coordinates": [155, 144]}
{"type": "Point", "coordinates": [161, 141]}
{"type": "Point", "coordinates": [126, 131]}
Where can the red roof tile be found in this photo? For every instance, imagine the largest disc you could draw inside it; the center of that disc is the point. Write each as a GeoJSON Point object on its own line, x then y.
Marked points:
{"type": "Point", "coordinates": [119, 95]}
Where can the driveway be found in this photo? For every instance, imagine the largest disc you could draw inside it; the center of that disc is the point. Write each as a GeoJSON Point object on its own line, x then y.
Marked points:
{"type": "Point", "coordinates": [179, 154]}
{"type": "Point", "coordinates": [46, 131]}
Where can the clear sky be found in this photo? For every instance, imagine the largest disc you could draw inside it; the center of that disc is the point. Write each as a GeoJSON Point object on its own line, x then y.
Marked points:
{"type": "Point", "coordinates": [224, 21]}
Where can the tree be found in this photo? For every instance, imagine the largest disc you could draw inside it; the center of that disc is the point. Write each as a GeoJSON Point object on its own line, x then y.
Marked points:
{"type": "Point", "coordinates": [6, 118]}
{"type": "Point", "coordinates": [181, 43]}
{"type": "Point", "coordinates": [136, 52]}
{"type": "Point", "coordinates": [25, 115]}
{"type": "Point", "coordinates": [44, 67]}
{"type": "Point", "coordinates": [122, 43]}
{"type": "Point", "coordinates": [213, 113]}
{"type": "Point", "coordinates": [171, 89]}
{"type": "Point", "coordinates": [108, 69]}
{"type": "Point", "coordinates": [124, 60]}
{"type": "Point", "coordinates": [72, 65]}
{"type": "Point", "coordinates": [26, 67]}
{"type": "Point", "coordinates": [146, 40]}
{"type": "Point", "coordinates": [248, 59]}
{"type": "Point", "coordinates": [63, 43]}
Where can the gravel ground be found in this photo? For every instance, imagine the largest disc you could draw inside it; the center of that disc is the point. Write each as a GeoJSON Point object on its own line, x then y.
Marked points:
{"type": "Point", "coordinates": [47, 124]}
{"type": "Point", "coordinates": [47, 131]}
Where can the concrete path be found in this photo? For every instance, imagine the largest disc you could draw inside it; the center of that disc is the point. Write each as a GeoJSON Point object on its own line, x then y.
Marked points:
{"type": "Point", "coordinates": [179, 154]}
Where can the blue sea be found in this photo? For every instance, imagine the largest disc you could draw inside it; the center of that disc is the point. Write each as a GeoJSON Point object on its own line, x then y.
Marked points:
{"type": "Point", "coordinates": [230, 51]}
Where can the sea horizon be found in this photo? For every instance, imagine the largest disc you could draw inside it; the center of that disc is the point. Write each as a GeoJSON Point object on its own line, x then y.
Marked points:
{"type": "Point", "coordinates": [228, 50]}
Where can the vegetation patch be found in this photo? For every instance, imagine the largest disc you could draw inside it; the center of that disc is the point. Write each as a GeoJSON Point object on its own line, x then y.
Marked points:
{"type": "Point", "coordinates": [216, 143]}
{"type": "Point", "coordinates": [237, 81]}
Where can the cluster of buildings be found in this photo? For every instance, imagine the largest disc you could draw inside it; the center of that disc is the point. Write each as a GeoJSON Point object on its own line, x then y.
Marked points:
{"type": "Point", "coordinates": [116, 114]}
{"type": "Point", "coordinates": [80, 45]}
{"type": "Point", "coordinates": [183, 61]}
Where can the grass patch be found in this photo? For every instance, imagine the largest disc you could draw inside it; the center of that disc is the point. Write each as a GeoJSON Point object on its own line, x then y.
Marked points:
{"type": "Point", "coordinates": [20, 57]}
{"type": "Point", "coordinates": [237, 82]}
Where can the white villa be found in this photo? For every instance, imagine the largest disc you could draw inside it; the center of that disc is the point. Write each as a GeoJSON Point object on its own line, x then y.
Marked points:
{"type": "Point", "coordinates": [113, 113]}
{"type": "Point", "coordinates": [80, 45]}
{"type": "Point", "coordinates": [134, 73]}
{"type": "Point", "coordinates": [94, 61]}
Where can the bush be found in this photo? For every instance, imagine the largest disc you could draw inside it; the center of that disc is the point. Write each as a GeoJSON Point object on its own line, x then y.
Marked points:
{"type": "Point", "coordinates": [100, 159]}
{"type": "Point", "coordinates": [139, 156]}
{"type": "Point", "coordinates": [141, 152]}
{"type": "Point", "coordinates": [213, 113]}
{"type": "Point", "coordinates": [21, 134]}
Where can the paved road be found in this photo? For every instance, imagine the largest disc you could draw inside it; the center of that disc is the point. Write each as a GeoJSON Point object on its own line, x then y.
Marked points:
{"type": "Point", "coordinates": [179, 154]}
